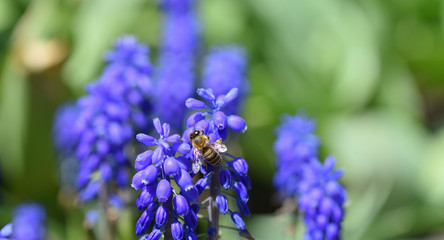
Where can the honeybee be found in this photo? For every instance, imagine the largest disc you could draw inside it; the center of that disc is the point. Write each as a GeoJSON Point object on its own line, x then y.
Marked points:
{"type": "Point", "coordinates": [204, 149]}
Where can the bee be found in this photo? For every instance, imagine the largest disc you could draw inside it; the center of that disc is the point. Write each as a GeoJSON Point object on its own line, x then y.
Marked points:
{"type": "Point", "coordinates": [205, 150]}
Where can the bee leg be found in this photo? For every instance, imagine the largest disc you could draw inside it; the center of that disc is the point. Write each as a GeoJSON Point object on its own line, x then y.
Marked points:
{"type": "Point", "coordinates": [202, 131]}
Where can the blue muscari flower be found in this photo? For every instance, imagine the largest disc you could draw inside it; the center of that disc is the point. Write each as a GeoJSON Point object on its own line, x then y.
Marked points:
{"type": "Point", "coordinates": [302, 177]}
{"type": "Point", "coordinates": [321, 200]}
{"type": "Point", "coordinates": [28, 223]}
{"type": "Point", "coordinates": [231, 175]}
{"type": "Point", "coordinates": [296, 144]}
{"type": "Point", "coordinates": [162, 205]}
{"type": "Point", "coordinates": [213, 120]}
{"type": "Point", "coordinates": [177, 59]}
{"type": "Point", "coordinates": [117, 105]}
{"type": "Point", "coordinates": [224, 69]}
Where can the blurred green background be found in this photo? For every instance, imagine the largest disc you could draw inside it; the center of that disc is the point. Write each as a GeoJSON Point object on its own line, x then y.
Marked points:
{"type": "Point", "coordinates": [371, 72]}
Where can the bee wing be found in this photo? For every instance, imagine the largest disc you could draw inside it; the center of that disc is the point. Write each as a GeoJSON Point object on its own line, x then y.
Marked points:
{"type": "Point", "coordinates": [196, 166]}
{"type": "Point", "coordinates": [219, 146]}
{"type": "Point", "coordinates": [197, 154]}
{"type": "Point", "coordinates": [197, 163]}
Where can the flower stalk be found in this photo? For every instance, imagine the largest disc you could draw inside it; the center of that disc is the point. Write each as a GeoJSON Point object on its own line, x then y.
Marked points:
{"type": "Point", "coordinates": [213, 210]}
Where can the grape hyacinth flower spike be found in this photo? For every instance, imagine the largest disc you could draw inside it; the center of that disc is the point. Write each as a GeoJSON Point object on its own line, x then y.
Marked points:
{"type": "Point", "coordinates": [296, 144]}
{"type": "Point", "coordinates": [302, 177]}
{"type": "Point", "coordinates": [226, 178]}
{"type": "Point", "coordinates": [162, 204]}
{"type": "Point", "coordinates": [322, 200]}
{"type": "Point", "coordinates": [114, 109]}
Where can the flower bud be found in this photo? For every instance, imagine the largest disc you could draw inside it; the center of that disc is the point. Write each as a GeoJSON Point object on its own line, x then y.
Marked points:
{"type": "Point", "coordinates": [206, 94]}
{"type": "Point", "coordinates": [241, 191]}
{"type": "Point", "coordinates": [173, 138]}
{"type": "Point", "coordinates": [146, 139]}
{"type": "Point", "coordinates": [158, 126]}
{"type": "Point", "coordinates": [137, 181]}
{"type": "Point", "coordinates": [237, 219]}
{"type": "Point", "coordinates": [219, 119]}
{"type": "Point", "coordinates": [144, 222]}
{"type": "Point", "coordinates": [149, 174]}
{"type": "Point", "coordinates": [231, 95]}
{"type": "Point", "coordinates": [165, 129]}
{"type": "Point", "coordinates": [184, 180]}
{"type": "Point", "coordinates": [154, 235]}
{"type": "Point", "coordinates": [171, 167]}
{"type": "Point", "coordinates": [158, 154]}
{"type": "Point", "coordinates": [143, 160]}
{"type": "Point", "coordinates": [146, 197]}
{"type": "Point", "coordinates": [237, 123]}
{"type": "Point", "coordinates": [241, 166]}
{"type": "Point", "coordinates": [191, 194]}
{"type": "Point", "coordinates": [176, 230]}
{"type": "Point", "coordinates": [222, 204]}
{"type": "Point", "coordinates": [161, 216]}
{"type": "Point", "coordinates": [225, 179]}
{"type": "Point", "coordinates": [180, 205]}
{"type": "Point", "coordinates": [201, 184]}
{"type": "Point", "coordinates": [163, 190]}
{"type": "Point", "coordinates": [192, 103]}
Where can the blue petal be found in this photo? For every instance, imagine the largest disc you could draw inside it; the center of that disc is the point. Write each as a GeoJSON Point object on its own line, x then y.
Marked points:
{"type": "Point", "coordinates": [230, 96]}
{"type": "Point", "coordinates": [237, 123]}
{"type": "Point", "coordinates": [206, 94]}
{"type": "Point", "coordinates": [192, 103]}
{"type": "Point", "coordinates": [158, 126]}
{"type": "Point", "coordinates": [173, 138]}
{"type": "Point", "coordinates": [146, 139]}
{"type": "Point", "coordinates": [166, 129]}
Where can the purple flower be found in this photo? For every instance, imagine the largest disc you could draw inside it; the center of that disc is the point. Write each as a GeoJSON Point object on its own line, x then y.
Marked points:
{"type": "Point", "coordinates": [157, 168]}
{"type": "Point", "coordinates": [177, 60]}
{"type": "Point", "coordinates": [322, 199]}
{"type": "Point", "coordinates": [296, 144]}
{"type": "Point", "coordinates": [117, 106]}
{"type": "Point", "coordinates": [231, 174]}
{"type": "Point", "coordinates": [212, 119]}
{"type": "Point", "coordinates": [225, 68]}
{"type": "Point", "coordinates": [302, 177]}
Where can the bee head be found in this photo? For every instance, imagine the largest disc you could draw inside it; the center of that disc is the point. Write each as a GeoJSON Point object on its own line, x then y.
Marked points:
{"type": "Point", "coordinates": [194, 134]}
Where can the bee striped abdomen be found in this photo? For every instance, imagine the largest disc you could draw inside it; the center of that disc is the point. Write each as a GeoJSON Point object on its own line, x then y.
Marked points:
{"type": "Point", "coordinates": [211, 156]}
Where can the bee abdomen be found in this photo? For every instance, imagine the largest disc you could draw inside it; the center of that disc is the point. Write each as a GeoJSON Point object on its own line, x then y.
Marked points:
{"type": "Point", "coordinates": [212, 156]}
